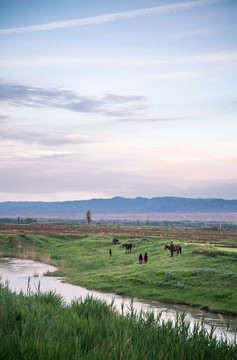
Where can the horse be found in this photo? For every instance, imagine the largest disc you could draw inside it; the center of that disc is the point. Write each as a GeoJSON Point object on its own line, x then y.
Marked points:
{"type": "Point", "coordinates": [176, 248]}
{"type": "Point", "coordinates": [115, 241]}
{"type": "Point", "coordinates": [128, 247]}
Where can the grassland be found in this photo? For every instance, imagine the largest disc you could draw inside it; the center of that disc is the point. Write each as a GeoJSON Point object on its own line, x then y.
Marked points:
{"type": "Point", "coordinates": [41, 327]}
{"type": "Point", "coordinates": [206, 279]}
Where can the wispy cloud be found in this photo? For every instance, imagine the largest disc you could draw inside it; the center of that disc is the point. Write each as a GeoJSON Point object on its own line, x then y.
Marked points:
{"type": "Point", "coordinates": [109, 104]}
{"type": "Point", "coordinates": [118, 61]}
{"type": "Point", "coordinates": [3, 118]}
{"type": "Point", "coordinates": [16, 131]}
{"type": "Point", "coordinates": [120, 99]}
{"type": "Point", "coordinates": [158, 10]}
{"type": "Point", "coordinates": [154, 120]}
{"type": "Point", "coordinates": [175, 76]}
{"type": "Point", "coordinates": [33, 137]}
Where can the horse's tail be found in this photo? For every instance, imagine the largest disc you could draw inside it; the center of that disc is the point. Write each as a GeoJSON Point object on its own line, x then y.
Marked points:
{"type": "Point", "coordinates": [180, 250]}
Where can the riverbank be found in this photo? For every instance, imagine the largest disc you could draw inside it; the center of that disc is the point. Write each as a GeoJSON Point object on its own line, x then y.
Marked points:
{"type": "Point", "coordinates": [207, 282]}
{"type": "Point", "coordinates": [42, 327]}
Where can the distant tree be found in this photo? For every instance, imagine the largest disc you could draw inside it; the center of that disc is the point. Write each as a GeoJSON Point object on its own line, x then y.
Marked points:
{"type": "Point", "coordinates": [88, 217]}
{"type": "Point", "coordinates": [29, 220]}
{"type": "Point", "coordinates": [147, 221]}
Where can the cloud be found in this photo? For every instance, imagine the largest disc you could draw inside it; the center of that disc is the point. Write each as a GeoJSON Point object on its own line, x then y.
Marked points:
{"type": "Point", "coordinates": [122, 99]}
{"type": "Point", "coordinates": [153, 120]}
{"type": "Point", "coordinates": [158, 10]}
{"type": "Point", "coordinates": [109, 104]}
{"type": "Point", "coordinates": [40, 178]}
{"type": "Point", "coordinates": [3, 118]}
{"type": "Point", "coordinates": [40, 138]}
{"type": "Point", "coordinates": [221, 57]}
{"type": "Point", "coordinates": [216, 57]}
{"type": "Point", "coordinates": [175, 76]}
{"type": "Point", "coordinates": [18, 132]}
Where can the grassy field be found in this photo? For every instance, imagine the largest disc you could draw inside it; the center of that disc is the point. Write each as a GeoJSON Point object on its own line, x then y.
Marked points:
{"type": "Point", "coordinates": [206, 279]}
{"type": "Point", "coordinates": [41, 327]}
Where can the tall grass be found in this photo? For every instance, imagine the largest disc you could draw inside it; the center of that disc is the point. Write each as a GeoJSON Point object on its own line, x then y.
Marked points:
{"type": "Point", "coordinates": [40, 326]}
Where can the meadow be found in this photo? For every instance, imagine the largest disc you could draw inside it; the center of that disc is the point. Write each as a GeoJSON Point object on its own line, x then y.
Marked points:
{"type": "Point", "coordinates": [42, 326]}
{"type": "Point", "coordinates": [204, 275]}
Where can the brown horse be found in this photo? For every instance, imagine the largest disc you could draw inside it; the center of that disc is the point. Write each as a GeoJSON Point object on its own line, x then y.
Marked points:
{"type": "Point", "coordinates": [128, 247]}
{"type": "Point", "coordinates": [115, 241]}
{"type": "Point", "coordinates": [176, 248]}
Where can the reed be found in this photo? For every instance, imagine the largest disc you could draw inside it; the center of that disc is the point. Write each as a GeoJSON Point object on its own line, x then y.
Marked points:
{"type": "Point", "coordinates": [46, 259]}
{"type": "Point", "coordinates": [28, 254]}
{"type": "Point", "coordinates": [41, 326]}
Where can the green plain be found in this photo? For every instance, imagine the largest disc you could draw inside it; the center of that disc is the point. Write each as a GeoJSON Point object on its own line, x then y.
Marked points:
{"type": "Point", "coordinates": [197, 280]}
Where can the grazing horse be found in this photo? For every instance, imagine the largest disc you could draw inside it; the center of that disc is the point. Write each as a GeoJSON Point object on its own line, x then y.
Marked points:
{"type": "Point", "coordinates": [128, 247]}
{"type": "Point", "coordinates": [176, 248]}
{"type": "Point", "coordinates": [115, 241]}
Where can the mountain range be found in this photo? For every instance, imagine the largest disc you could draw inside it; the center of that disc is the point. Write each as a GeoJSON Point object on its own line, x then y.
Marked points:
{"type": "Point", "coordinates": [118, 205]}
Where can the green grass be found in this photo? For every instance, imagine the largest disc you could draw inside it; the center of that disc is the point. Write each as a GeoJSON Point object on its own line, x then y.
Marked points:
{"type": "Point", "coordinates": [40, 326]}
{"type": "Point", "coordinates": [84, 260]}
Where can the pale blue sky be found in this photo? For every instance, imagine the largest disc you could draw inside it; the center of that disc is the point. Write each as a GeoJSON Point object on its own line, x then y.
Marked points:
{"type": "Point", "coordinates": [108, 98]}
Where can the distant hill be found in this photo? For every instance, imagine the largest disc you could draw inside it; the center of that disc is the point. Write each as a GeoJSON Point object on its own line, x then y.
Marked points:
{"type": "Point", "coordinates": [117, 205]}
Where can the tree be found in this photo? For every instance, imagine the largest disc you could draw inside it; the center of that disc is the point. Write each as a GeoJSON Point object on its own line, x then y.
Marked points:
{"type": "Point", "coordinates": [29, 220]}
{"type": "Point", "coordinates": [88, 217]}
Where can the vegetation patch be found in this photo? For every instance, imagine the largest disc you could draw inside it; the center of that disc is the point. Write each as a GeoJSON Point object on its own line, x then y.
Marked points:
{"type": "Point", "coordinates": [196, 272]}
{"type": "Point", "coordinates": [136, 242]}
{"type": "Point", "coordinates": [211, 254]}
{"type": "Point", "coordinates": [21, 241]}
{"type": "Point", "coordinates": [42, 327]}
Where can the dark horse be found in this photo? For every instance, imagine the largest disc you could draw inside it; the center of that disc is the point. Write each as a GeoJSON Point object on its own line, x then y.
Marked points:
{"type": "Point", "coordinates": [128, 247]}
{"type": "Point", "coordinates": [115, 241]}
{"type": "Point", "coordinates": [176, 248]}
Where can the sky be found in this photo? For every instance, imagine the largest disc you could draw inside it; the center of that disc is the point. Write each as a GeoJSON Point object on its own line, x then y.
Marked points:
{"type": "Point", "coordinates": [118, 98]}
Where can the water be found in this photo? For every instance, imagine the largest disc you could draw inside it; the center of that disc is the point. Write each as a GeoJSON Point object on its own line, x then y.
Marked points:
{"type": "Point", "coordinates": [21, 274]}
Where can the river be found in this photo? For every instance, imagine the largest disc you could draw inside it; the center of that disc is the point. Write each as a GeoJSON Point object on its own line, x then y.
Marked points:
{"type": "Point", "coordinates": [24, 275]}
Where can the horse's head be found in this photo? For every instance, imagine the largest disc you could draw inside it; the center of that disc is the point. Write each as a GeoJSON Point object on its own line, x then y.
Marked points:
{"type": "Point", "coordinates": [166, 247]}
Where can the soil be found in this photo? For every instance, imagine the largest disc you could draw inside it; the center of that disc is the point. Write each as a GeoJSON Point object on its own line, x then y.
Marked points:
{"type": "Point", "coordinates": [193, 236]}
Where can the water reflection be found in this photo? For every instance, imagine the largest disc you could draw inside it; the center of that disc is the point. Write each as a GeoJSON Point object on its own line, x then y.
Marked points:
{"type": "Point", "coordinates": [21, 273]}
